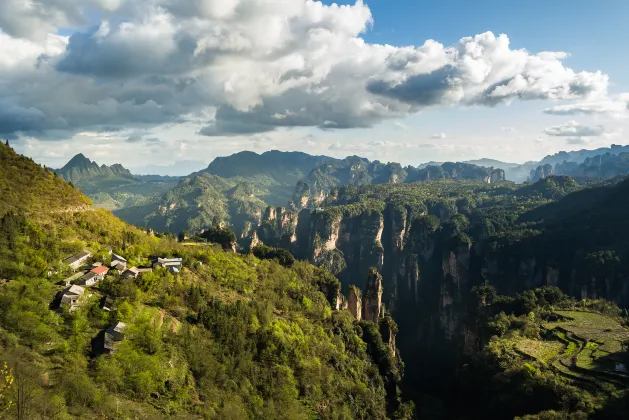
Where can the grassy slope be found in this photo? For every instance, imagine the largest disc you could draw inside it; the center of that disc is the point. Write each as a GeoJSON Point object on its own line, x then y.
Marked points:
{"type": "Point", "coordinates": [25, 185]}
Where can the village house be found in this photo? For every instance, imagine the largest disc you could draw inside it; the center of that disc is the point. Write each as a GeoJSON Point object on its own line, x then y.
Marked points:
{"type": "Point", "coordinates": [118, 260]}
{"type": "Point", "coordinates": [113, 335]}
{"type": "Point", "coordinates": [119, 268]}
{"type": "Point", "coordinates": [167, 262]}
{"type": "Point", "coordinates": [77, 259]}
{"type": "Point", "coordinates": [72, 297]}
{"type": "Point", "coordinates": [619, 363]}
{"type": "Point", "coordinates": [142, 270]}
{"type": "Point", "coordinates": [100, 271]}
{"type": "Point", "coordinates": [88, 279]}
{"type": "Point", "coordinates": [94, 276]}
{"type": "Point", "coordinates": [132, 272]}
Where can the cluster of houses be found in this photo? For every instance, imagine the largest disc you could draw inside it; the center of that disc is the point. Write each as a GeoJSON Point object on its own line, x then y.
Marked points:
{"type": "Point", "coordinates": [89, 275]}
{"type": "Point", "coordinates": [76, 291]}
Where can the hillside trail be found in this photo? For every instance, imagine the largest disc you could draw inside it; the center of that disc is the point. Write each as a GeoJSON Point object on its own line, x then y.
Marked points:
{"type": "Point", "coordinates": [79, 209]}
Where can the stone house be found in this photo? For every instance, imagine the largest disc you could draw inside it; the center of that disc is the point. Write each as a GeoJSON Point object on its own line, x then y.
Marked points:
{"type": "Point", "coordinates": [72, 297]}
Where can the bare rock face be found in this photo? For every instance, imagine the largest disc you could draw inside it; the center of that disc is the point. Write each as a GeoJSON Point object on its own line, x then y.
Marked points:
{"type": "Point", "coordinates": [373, 297]}
{"type": "Point", "coordinates": [270, 214]}
{"type": "Point", "coordinates": [454, 285]}
{"type": "Point", "coordinates": [354, 302]}
{"type": "Point", "coordinates": [496, 175]}
{"type": "Point", "coordinates": [389, 330]}
{"type": "Point", "coordinates": [541, 172]}
{"type": "Point", "coordinates": [340, 302]}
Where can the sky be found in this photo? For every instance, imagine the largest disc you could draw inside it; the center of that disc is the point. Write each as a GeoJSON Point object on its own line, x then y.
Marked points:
{"type": "Point", "coordinates": [165, 86]}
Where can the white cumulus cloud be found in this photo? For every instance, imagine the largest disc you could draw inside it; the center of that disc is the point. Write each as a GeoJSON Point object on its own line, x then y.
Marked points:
{"type": "Point", "coordinates": [240, 67]}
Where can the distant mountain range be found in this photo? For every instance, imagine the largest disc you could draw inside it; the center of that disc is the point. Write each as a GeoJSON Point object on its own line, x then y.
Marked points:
{"type": "Point", "coordinates": [237, 189]}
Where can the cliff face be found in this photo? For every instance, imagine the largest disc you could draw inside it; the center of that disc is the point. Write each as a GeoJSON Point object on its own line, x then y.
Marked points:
{"type": "Point", "coordinates": [541, 172]}
{"type": "Point", "coordinates": [373, 297]}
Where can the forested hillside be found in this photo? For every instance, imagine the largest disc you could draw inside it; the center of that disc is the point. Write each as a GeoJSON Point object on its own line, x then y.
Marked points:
{"type": "Point", "coordinates": [274, 172]}
{"type": "Point", "coordinates": [226, 336]}
{"type": "Point", "coordinates": [199, 202]}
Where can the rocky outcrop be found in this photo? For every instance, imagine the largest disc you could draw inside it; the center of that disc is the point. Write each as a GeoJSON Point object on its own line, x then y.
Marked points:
{"type": "Point", "coordinates": [541, 172]}
{"type": "Point", "coordinates": [372, 305]}
{"type": "Point", "coordinates": [354, 302]}
{"type": "Point", "coordinates": [496, 175]}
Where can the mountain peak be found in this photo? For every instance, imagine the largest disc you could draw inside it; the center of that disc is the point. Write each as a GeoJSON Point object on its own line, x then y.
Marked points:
{"type": "Point", "coordinates": [78, 160]}
{"type": "Point", "coordinates": [81, 168]}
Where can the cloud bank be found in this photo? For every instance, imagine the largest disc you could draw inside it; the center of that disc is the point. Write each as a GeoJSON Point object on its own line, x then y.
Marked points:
{"type": "Point", "coordinates": [240, 67]}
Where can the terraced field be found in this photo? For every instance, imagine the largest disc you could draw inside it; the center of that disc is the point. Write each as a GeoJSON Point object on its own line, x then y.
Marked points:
{"type": "Point", "coordinates": [582, 346]}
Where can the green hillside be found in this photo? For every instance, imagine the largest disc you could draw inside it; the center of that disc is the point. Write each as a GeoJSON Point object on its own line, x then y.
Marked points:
{"type": "Point", "coordinates": [199, 202]}
{"type": "Point", "coordinates": [25, 186]}
{"type": "Point", "coordinates": [275, 172]}
{"type": "Point", "coordinates": [228, 337]}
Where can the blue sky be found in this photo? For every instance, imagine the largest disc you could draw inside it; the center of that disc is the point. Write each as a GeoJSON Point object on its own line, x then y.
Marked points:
{"type": "Point", "coordinates": [594, 32]}
{"type": "Point", "coordinates": [138, 89]}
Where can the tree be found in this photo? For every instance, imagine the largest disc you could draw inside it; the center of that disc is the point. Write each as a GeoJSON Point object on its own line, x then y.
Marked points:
{"type": "Point", "coordinates": [264, 252]}
{"type": "Point", "coordinates": [25, 385]}
{"type": "Point", "coordinates": [6, 380]}
{"type": "Point", "coordinates": [223, 236]}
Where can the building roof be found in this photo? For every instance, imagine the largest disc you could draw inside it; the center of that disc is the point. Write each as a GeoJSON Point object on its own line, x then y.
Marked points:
{"type": "Point", "coordinates": [100, 270]}
{"type": "Point", "coordinates": [74, 290]}
{"type": "Point", "coordinates": [118, 264]}
{"type": "Point", "coordinates": [118, 258]}
{"type": "Point", "coordinates": [89, 275]}
{"type": "Point", "coordinates": [120, 327]}
{"type": "Point", "coordinates": [73, 277]}
{"type": "Point", "coordinates": [77, 257]}
{"type": "Point", "coordinates": [168, 260]}
{"type": "Point", "coordinates": [107, 302]}
{"type": "Point", "coordinates": [108, 341]}
{"type": "Point", "coordinates": [131, 271]}
{"type": "Point", "coordinates": [145, 270]}
{"type": "Point", "coordinates": [174, 270]}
